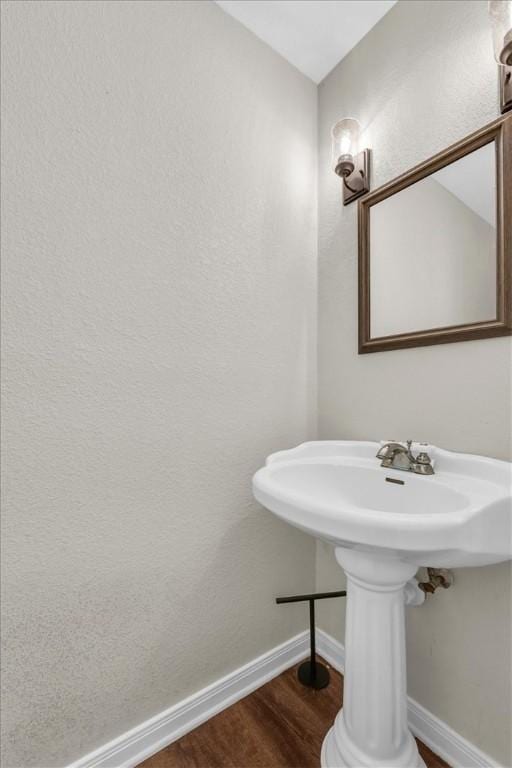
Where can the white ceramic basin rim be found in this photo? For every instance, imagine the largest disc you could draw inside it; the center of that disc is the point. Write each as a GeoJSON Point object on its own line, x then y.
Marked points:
{"type": "Point", "coordinates": [337, 490]}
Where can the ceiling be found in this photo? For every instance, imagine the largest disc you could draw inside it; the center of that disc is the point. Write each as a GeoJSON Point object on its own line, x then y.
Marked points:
{"type": "Point", "coordinates": [313, 35]}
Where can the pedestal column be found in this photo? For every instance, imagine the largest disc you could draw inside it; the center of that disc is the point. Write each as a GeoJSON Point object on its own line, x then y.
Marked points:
{"type": "Point", "coordinates": [371, 729]}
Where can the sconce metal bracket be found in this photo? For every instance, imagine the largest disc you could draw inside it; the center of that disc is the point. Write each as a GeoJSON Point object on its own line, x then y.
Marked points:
{"type": "Point", "coordinates": [358, 182]}
{"type": "Point", "coordinates": [505, 88]}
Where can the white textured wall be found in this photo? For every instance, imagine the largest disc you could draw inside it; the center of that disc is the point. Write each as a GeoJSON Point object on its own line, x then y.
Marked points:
{"type": "Point", "coordinates": [159, 334]}
{"type": "Point", "coordinates": [423, 78]}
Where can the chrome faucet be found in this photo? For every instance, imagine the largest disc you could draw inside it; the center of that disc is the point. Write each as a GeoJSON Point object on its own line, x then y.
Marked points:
{"type": "Point", "coordinates": [399, 456]}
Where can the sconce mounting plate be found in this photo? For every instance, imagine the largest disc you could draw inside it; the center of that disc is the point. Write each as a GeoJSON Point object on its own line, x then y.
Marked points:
{"type": "Point", "coordinates": [505, 88]}
{"type": "Point", "coordinates": [358, 182]}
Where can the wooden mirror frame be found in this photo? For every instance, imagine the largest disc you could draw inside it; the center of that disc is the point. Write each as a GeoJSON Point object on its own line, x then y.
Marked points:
{"type": "Point", "coordinates": [499, 131]}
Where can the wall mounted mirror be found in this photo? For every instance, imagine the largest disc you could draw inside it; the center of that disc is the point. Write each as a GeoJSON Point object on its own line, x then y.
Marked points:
{"type": "Point", "coordinates": [435, 248]}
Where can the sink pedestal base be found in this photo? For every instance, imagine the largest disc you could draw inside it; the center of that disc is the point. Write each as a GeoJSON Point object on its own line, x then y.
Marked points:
{"type": "Point", "coordinates": [371, 729]}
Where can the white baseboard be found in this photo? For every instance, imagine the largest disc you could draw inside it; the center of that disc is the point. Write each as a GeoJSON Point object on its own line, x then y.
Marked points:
{"type": "Point", "coordinates": [134, 746]}
{"type": "Point", "coordinates": [331, 650]}
{"type": "Point", "coordinates": [129, 749]}
{"type": "Point", "coordinates": [443, 740]}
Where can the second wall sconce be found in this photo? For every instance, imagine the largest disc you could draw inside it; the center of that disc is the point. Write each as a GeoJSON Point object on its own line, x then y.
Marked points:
{"type": "Point", "coordinates": [500, 12]}
{"type": "Point", "coordinates": [348, 161]}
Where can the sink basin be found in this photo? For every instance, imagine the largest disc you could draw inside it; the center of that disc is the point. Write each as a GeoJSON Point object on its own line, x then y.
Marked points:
{"type": "Point", "coordinates": [460, 516]}
{"type": "Point", "coordinates": [385, 523]}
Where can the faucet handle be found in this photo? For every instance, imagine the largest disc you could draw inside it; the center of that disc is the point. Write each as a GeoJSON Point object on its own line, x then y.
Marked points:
{"type": "Point", "coordinates": [424, 464]}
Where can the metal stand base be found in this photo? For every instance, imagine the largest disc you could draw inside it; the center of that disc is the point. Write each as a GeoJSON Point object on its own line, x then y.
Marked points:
{"type": "Point", "coordinates": [313, 675]}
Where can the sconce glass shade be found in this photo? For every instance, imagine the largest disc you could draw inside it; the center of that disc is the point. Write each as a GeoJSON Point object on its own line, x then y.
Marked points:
{"type": "Point", "coordinates": [500, 12]}
{"type": "Point", "coordinates": [345, 145]}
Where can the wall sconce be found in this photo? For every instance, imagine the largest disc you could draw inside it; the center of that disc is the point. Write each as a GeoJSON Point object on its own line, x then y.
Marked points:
{"type": "Point", "coordinates": [348, 161]}
{"type": "Point", "coordinates": [500, 12]}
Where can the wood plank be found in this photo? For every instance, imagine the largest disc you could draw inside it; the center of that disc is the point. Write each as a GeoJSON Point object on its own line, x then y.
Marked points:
{"type": "Point", "coordinates": [281, 725]}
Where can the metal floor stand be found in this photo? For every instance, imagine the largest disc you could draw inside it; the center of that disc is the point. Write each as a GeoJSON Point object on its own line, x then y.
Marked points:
{"type": "Point", "coordinates": [312, 673]}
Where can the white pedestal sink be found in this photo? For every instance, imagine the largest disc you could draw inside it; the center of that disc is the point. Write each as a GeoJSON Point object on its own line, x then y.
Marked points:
{"type": "Point", "coordinates": [383, 531]}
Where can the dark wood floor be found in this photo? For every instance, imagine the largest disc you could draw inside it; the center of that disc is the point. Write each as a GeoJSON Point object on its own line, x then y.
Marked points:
{"type": "Point", "coordinates": [281, 725]}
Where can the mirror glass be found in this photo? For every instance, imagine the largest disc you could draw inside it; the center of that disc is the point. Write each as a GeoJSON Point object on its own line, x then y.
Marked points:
{"type": "Point", "coordinates": [433, 250]}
